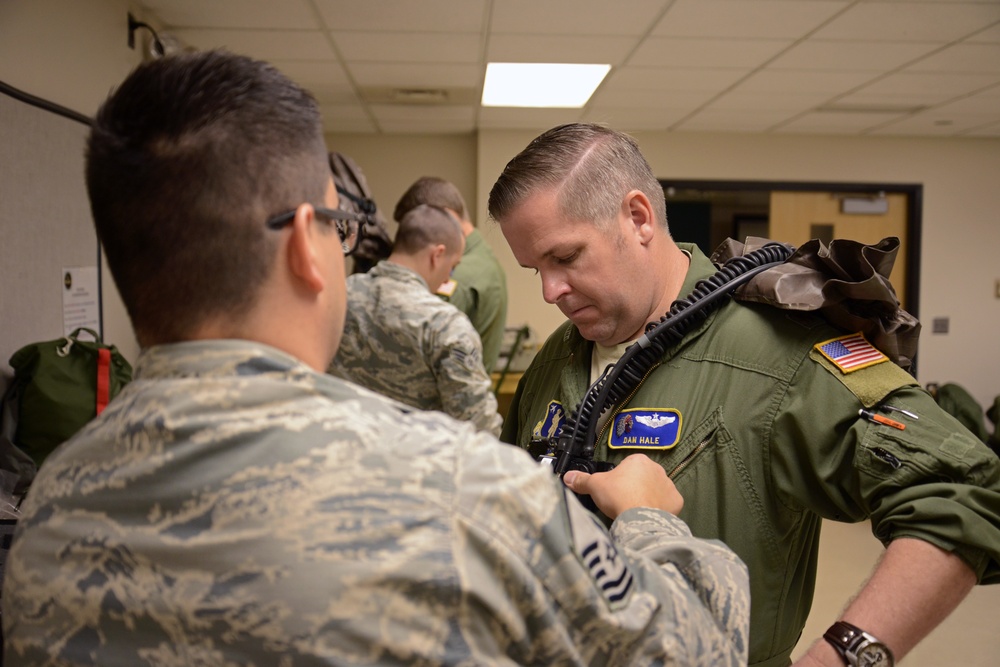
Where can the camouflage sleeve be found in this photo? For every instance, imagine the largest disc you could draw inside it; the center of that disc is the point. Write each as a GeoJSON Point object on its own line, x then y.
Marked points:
{"type": "Point", "coordinates": [716, 574]}
{"type": "Point", "coordinates": [462, 381]}
{"type": "Point", "coordinates": [559, 589]}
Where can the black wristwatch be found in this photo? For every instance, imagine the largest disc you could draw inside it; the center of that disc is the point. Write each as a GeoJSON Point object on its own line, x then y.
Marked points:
{"type": "Point", "coordinates": [857, 647]}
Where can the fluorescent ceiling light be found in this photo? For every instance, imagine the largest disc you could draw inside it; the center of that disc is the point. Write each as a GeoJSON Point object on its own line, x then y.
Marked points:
{"type": "Point", "coordinates": [541, 84]}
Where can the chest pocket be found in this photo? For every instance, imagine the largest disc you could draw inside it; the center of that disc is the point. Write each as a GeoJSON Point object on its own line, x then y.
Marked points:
{"type": "Point", "coordinates": [721, 494]}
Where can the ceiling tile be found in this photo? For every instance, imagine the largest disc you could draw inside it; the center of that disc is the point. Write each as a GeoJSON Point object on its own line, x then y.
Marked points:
{"type": "Point", "coordinates": [931, 86]}
{"type": "Point", "coordinates": [932, 123]}
{"type": "Point", "coordinates": [407, 47]}
{"type": "Point", "coordinates": [728, 120]}
{"type": "Point", "coordinates": [822, 121]}
{"type": "Point", "coordinates": [789, 103]}
{"type": "Point", "coordinates": [672, 79]}
{"type": "Point", "coordinates": [403, 15]}
{"type": "Point", "coordinates": [698, 53]}
{"type": "Point", "coordinates": [422, 113]}
{"type": "Point", "coordinates": [738, 18]}
{"type": "Point", "coordinates": [911, 21]}
{"type": "Point", "coordinates": [796, 81]}
{"type": "Point", "coordinates": [427, 127]}
{"type": "Point", "coordinates": [650, 99]}
{"type": "Point", "coordinates": [631, 120]}
{"type": "Point", "coordinates": [315, 75]}
{"type": "Point", "coordinates": [288, 14]}
{"type": "Point", "coordinates": [720, 65]}
{"type": "Point", "coordinates": [346, 118]}
{"type": "Point", "coordinates": [558, 49]}
{"type": "Point", "coordinates": [573, 17]}
{"type": "Point", "coordinates": [262, 44]}
{"type": "Point", "coordinates": [988, 36]}
{"type": "Point", "coordinates": [817, 54]}
{"type": "Point", "coordinates": [542, 119]}
{"type": "Point", "coordinates": [961, 58]}
{"type": "Point", "coordinates": [416, 75]}
{"type": "Point", "coordinates": [989, 131]}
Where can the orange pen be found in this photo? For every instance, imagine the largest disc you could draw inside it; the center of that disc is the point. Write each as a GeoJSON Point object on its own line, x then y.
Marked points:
{"type": "Point", "coordinates": [880, 419]}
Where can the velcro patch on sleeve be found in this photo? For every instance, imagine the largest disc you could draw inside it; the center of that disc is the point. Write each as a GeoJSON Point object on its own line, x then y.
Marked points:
{"type": "Point", "coordinates": [599, 557]}
{"type": "Point", "coordinates": [851, 353]}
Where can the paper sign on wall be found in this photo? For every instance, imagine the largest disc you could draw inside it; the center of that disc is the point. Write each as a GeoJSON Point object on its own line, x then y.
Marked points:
{"type": "Point", "coordinates": [81, 303]}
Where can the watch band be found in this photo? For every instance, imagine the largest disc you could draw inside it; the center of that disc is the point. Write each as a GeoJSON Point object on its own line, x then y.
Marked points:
{"type": "Point", "coordinates": [857, 647]}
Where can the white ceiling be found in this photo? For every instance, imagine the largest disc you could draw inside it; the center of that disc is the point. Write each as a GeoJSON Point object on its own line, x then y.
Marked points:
{"type": "Point", "coordinates": [848, 67]}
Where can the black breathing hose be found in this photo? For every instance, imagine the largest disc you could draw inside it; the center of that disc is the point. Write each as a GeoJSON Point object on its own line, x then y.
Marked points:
{"type": "Point", "coordinates": [580, 430]}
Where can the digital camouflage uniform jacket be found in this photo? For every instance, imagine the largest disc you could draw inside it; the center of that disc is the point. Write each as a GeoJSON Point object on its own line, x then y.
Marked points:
{"type": "Point", "coordinates": [405, 343]}
{"type": "Point", "coordinates": [233, 507]}
{"type": "Point", "coordinates": [478, 288]}
{"type": "Point", "coordinates": [762, 436]}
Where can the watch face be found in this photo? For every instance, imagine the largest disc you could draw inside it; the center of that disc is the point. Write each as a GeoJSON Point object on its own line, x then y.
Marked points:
{"type": "Point", "coordinates": [874, 655]}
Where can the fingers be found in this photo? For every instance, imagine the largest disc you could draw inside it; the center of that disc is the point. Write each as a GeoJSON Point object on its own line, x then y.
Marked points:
{"type": "Point", "coordinates": [638, 481]}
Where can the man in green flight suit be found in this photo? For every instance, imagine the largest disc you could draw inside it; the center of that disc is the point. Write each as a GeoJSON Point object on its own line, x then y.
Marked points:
{"type": "Point", "coordinates": [754, 413]}
{"type": "Point", "coordinates": [478, 286]}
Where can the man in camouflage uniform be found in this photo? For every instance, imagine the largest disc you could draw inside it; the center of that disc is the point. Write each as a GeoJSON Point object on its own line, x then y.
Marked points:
{"type": "Point", "coordinates": [237, 506]}
{"type": "Point", "coordinates": [403, 342]}
{"type": "Point", "coordinates": [477, 286]}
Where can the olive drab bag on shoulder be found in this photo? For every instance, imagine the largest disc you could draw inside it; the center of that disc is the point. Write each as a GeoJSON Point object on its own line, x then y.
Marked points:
{"type": "Point", "coordinates": [59, 386]}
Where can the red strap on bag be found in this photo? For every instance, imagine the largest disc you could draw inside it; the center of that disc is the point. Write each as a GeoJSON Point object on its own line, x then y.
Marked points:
{"type": "Point", "coordinates": [103, 378]}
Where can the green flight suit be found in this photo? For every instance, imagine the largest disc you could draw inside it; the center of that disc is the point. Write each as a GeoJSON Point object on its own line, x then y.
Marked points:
{"type": "Point", "coordinates": [763, 438]}
{"type": "Point", "coordinates": [478, 288]}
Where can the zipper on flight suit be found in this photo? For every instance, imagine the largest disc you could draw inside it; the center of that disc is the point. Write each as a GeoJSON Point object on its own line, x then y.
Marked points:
{"type": "Point", "coordinates": [687, 459]}
{"type": "Point", "coordinates": [887, 457]}
{"type": "Point", "coordinates": [690, 457]}
{"type": "Point", "coordinates": [621, 406]}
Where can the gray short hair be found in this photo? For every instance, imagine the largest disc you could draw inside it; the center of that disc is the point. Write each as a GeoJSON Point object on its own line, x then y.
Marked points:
{"type": "Point", "coordinates": [592, 165]}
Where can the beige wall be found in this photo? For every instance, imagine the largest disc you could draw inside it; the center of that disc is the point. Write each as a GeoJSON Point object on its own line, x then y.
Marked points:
{"type": "Point", "coordinates": [73, 53]}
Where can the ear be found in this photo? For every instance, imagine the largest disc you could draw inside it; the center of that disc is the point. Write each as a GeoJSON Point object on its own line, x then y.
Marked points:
{"type": "Point", "coordinates": [437, 254]}
{"type": "Point", "coordinates": [302, 251]}
{"type": "Point", "coordinates": [640, 213]}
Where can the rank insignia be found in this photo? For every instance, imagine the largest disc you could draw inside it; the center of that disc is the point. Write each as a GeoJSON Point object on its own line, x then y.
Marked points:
{"type": "Point", "coordinates": [645, 429]}
{"type": "Point", "coordinates": [551, 426]}
{"type": "Point", "coordinates": [851, 353]}
{"type": "Point", "coordinates": [608, 570]}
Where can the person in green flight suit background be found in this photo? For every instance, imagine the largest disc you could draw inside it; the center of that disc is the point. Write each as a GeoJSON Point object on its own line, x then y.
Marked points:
{"type": "Point", "coordinates": [754, 413]}
{"type": "Point", "coordinates": [478, 286]}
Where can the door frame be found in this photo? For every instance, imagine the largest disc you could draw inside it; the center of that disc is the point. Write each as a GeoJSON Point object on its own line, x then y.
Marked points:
{"type": "Point", "coordinates": [914, 193]}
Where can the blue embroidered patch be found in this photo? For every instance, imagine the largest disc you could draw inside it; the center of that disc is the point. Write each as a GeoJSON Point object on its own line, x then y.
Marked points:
{"type": "Point", "coordinates": [640, 428]}
{"type": "Point", "coordinates": [551, 426]}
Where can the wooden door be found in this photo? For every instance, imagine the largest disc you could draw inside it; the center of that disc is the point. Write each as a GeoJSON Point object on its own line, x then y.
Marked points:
{"type": "Point", "coordinates": [797, 217]}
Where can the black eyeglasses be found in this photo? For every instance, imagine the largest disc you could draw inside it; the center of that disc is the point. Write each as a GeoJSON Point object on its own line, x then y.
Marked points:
{"type": "Point", "coordinates": [349, 225]}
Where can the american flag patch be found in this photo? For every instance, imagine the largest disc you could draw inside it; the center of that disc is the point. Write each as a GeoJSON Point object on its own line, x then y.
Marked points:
{"type": "Point", "coordinates": [851, 353]}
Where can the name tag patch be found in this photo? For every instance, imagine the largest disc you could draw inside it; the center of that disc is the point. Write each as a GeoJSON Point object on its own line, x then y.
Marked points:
{"type": "Point", "coordinates": [447, 288]}
{"type": "Point", "coordinates": [551, 426]}
{"type": "Point", "coordinates": [851, 353]}
{"type": "Point", "coordinates": [640, 428]}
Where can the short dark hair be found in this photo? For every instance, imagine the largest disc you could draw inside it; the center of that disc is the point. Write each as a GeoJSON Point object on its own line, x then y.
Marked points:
{"type": "Point", "coordinates": [186, 161]}
{"type": "Point", "coordinates": [593, 166]}
{"type": "Point", "coordinates": [426, 225]}
{"type": "Point", "coordinates": [434, 191]}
